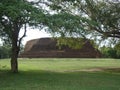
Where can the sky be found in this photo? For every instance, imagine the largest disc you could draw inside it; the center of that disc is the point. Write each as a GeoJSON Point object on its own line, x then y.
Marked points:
{"type": "Point", "coordinates": [34, 34]}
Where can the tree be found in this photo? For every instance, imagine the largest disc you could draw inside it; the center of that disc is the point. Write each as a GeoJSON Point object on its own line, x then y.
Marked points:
{"type": "Point", "coordinates": [107, 16]}
{"type": "Point", "coordinates": [14, 16]}
{"type": "Point", "coordinates": [111, 52]}
{"type": "Point", "coordinates": [108, 52]}
{"type": "Point", "coordinates": [98, 18]}
{"type": "Point", "coordinates": [117, 48]}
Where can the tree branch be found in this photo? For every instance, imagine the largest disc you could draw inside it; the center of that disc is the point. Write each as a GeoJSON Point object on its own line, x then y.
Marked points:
{"type": "Point", "coordinates": [25, 30]}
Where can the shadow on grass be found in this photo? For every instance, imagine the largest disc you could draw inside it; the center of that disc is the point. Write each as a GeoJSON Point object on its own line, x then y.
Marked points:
{"type": "Point", "coordinates": [47, 80]}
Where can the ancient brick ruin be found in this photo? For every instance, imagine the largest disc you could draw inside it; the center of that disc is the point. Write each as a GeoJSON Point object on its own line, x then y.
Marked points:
{"type": "Point", "coordinates": [47, 48]}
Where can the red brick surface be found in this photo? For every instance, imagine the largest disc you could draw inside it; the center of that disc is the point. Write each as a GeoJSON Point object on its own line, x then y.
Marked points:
{"type": "Point", "coordinates": [47, 48]}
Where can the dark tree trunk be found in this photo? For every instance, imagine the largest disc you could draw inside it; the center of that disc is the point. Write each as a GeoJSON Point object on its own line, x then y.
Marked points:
{"type": "Point", "coordinates": [14, 61]}
{"type": "Point", "coordinates": [16, 41]}
{"type": "Point", "coordinates": [15, 50]}
{"type": "Point", "coordinates": [14, 64]}
{"type": "Point", "coordinates": [14, 57]}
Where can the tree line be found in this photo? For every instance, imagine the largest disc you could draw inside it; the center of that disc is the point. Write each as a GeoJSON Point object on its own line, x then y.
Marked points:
{"type": "Point", "coordinates": [5, 51]}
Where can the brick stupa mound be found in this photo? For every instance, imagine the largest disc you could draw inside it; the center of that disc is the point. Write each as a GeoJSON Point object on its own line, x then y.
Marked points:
{"type": "Point", "coordinates": [47, 48]}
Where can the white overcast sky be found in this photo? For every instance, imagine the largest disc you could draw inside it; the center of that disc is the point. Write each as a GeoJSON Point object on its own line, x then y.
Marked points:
{"type": "Point", "coordinates": [34, 34]}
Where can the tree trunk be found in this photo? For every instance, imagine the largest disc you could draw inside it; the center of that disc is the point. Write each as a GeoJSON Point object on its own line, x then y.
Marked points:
{"type": "Point", "coordinates": [15, 51]}
{"type": "Point", "coordinates": [14, 65]}
{"type": "Point", "coordinates": [14, 59]}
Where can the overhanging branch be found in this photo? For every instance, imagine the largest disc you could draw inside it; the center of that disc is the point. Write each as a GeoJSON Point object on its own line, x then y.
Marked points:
{"type": "Point", "coordinates": [25, 30]}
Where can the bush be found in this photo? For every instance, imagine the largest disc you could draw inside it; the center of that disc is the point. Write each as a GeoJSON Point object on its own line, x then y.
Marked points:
{"type": "Point", "coordinates": [111, 52]}
{"type": "Point", "coordinates": [5, 51]}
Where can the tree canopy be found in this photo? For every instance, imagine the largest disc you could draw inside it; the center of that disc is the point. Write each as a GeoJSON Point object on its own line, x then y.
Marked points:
{"type": "Point", "coordinates": [17, 14]}
{"type": "Point", "coordinates": [95, 18]}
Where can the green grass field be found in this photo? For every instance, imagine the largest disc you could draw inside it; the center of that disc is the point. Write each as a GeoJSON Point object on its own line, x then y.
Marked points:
{"type": "Point", "coordinates": [61, 74]}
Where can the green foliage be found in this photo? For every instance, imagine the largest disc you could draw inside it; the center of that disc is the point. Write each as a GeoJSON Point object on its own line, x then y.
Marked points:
{"type": "Point", "coordinates": [111, 52]}
{"type": "Point", "coordinates": [75, 43]}
{"type": "Point", "coordinates": [102, 17]}
{"type": "Point", "coordinates": [19, 12]}
{"type": "Point", "coordinates": [117, 48]}
{"type": "Point", "coordinates": [67, 25]}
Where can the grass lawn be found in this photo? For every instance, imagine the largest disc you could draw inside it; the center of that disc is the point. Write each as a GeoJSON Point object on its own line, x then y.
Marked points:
{"type": "Point", "coordinates": [61, 74]}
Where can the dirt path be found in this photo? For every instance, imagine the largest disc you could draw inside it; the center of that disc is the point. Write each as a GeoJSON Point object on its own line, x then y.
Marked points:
{"type": "Point", "coordinates": [96, 70]}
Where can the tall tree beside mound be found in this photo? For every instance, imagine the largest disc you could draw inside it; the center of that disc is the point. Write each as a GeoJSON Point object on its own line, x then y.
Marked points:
{"type": "Point", "coordinates": [14, 16]}
{"type": "Point", "coordinates": [95, 18]}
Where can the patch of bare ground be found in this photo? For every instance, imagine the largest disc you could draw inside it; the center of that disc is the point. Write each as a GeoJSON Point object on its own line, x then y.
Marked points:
{"type": "Point", "coordinates": [117, 70]}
